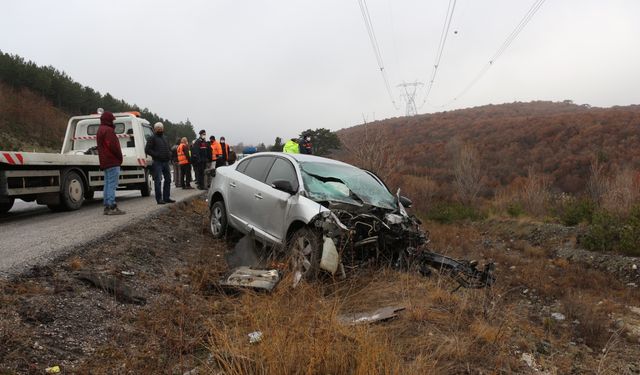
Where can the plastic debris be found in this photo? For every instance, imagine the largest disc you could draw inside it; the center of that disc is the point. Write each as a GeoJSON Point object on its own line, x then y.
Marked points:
{"type": "Point", "coordinates": [52, 370]}
{"type": "Point", "coordinates": [255, 337]}
{"type": "Point", "coordinates": [250, 278]}
{"type": "Point", "coordinates": [558, 316]}
{"type": "Point", "coordinates": [378, 315]}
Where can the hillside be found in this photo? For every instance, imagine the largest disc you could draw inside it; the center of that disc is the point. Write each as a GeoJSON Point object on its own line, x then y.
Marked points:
{"type": "Point", "coordinates": [558, 140]}
{"type": "Point", "coordinates": [37, 101]}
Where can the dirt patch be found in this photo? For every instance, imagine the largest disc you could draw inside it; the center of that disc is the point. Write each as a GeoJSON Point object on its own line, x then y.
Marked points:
{"type": "Point", "coordinates": [49, 316]}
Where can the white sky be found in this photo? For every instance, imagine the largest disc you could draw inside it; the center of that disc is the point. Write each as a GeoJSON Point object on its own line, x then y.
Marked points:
{"type": "Point", "coordinates": [252, 70]}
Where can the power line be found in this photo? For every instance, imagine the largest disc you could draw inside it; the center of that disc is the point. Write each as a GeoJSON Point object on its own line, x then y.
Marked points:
{"type": "Point", "coordinates": [366, 17]}
{"type": "Point", "coordinates": [503, 47]}
{"type": "Point", "coordinates": [443, 40]}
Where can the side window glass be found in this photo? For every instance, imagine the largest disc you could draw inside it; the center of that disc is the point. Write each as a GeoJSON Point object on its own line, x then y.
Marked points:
{"type": "Point", "coordinates": [119, 128]}
{"type": "Point", "coordinates": [92, 129]}
{"type": "Point", "coordinates": [258, 167]}
{"type": "Point", "coordinates": [148, 133]}
{"type": "Point", "coordinates": [283, 170]}
{"type": "Point", "coordinates": [243, 165]}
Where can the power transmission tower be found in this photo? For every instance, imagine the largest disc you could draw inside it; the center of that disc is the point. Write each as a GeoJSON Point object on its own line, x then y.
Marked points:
{"type": "Point", "coordinates": [409, 96]}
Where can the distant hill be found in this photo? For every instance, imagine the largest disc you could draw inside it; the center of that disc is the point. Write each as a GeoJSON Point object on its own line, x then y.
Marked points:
{"type": "Point", "coordinates": [37, 101]}
{"type": "Point", "coordinates": [556, 139]}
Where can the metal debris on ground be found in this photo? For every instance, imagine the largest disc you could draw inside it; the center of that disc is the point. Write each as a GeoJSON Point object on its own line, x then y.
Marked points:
{"type": "Point", "coordinates": [252, 278]}
{"type": "Point", "coordinates": [378, 315]}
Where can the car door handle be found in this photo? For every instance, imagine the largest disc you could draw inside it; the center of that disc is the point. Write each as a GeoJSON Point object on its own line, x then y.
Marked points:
{"type": "Point", "coordinates": [258, 196]}
{"type": "Point", "coordinates": [232, 184]}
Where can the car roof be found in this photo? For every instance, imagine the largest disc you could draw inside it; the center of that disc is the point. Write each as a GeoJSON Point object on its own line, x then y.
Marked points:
{"type": "Point", "coordinates": [301, 158]}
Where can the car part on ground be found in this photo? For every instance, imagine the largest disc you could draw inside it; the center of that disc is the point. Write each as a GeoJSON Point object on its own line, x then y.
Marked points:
{"type": "Point", "coordinates": [247, 277]}
{"type": "Point", "coordinates": [378, 315]}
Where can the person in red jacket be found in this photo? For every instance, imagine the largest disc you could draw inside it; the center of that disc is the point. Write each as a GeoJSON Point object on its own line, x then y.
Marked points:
{"type": "Point", "coordinates": [110, 156]}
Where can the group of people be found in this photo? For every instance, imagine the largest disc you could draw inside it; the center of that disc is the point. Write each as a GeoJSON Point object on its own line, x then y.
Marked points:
{"type": "Point", "coordinates": [299, 146]}
{"type": "Point", "coordinates": [202, 154]}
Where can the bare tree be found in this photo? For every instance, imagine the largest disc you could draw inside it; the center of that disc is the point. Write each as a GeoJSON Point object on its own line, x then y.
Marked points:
{"type": "Point", "coordinates": [597, 185]}
{"type": "Point", "coordinates": [535, 192]}
{"type": "Point", "coordinates": [468, 177]}
{"type": "Point", "coordinates": [373, 151]}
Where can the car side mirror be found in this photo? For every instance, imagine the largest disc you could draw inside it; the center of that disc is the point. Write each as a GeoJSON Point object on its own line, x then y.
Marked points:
{"type": "Point", "coordinates": [406, 202]}
{"type": "Point", "coordinates": [283, 185]}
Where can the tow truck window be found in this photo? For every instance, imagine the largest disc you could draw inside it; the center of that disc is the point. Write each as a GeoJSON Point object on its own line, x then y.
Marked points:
{"type": "Point", "coordinates": [93, 129]}
{"type": "Point", "coordinates": [148, 132]}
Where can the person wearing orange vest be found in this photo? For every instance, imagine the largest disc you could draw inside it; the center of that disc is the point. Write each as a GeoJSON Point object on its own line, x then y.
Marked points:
{"type": "Point", "coordinates": [184, 159]}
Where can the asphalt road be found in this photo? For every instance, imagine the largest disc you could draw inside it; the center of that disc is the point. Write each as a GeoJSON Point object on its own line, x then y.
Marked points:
{"type": "Point", "coordinates": [32, 234]}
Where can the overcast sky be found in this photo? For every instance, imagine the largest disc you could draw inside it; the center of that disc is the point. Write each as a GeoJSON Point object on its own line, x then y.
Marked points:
{"type": "Point", "coordinates": [253, 70]}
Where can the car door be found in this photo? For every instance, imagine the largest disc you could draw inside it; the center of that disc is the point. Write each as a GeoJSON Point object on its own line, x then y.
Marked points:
{"type": "Point", "coordinates": [274, 204]}
{"type": "Point", "coordinates": [242, 190]}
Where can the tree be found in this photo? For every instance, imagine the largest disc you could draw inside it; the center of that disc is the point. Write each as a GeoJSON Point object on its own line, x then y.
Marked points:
{"type": "Point", "coordinates": [466, 171]}
{"type": "Point", "coordinates": [277, 145]}
{"type": "Point", "coordinates": [323, 140]}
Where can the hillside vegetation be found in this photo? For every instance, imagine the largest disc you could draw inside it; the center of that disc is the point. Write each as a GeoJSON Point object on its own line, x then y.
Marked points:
{"type": "Point", "coordinates": [558, 140]}
{"type": "Point", "coordinates": [36, 102]}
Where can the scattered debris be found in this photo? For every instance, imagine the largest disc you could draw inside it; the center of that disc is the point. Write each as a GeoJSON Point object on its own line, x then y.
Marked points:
{"type": "Point", "coordinates": [255, 337]}
{"type": "Point", "coordinates": [529, 360]}
{"type": "Point", "coordinates": [128, 273]}
{"type": "Point", "coordinates": [111, 285]}
{"type": "Point", "coordinates": [381, 314]}
{"type": "Point", "coordinates": [52, 370]}
{"type": "Point", "coordinates": [558, 316]}
{"type": "Point", "coordinates": [252, 278]}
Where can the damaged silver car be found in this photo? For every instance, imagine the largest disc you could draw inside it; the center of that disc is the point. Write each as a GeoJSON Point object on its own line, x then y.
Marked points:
{"type": "Point", "coordinates": [325, 215]}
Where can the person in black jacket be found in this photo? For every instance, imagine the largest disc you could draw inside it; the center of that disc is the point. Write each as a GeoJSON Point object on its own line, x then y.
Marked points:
{"type": "Point", "coordinates": [177, 177]}
{"type": "Point", "coordinates": [200, 155]}
{"type": "Point", "coordinates": [158, 147]}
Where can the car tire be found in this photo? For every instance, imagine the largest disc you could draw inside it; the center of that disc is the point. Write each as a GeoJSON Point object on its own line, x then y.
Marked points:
{"type": "Point", "coordinates": [303, 250]}
{"type": "Point", "coordinates": [6, 206]}
{"type": "Point", "coordinates": [218, 220]}
{"type": "Point", "coordinates": [73, 190]}
{"type": "Point", "coordinates": [147, 185]}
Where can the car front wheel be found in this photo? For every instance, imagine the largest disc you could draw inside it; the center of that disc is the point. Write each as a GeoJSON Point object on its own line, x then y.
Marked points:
{"type": "Point", "coordinates": [304, 251]}
{"type": "Point", "coordinates": [218, 220]}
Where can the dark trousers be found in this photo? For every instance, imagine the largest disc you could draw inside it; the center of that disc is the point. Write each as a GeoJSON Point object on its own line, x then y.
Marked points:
{"type": "Point", "coordinates": [199, 168]}
{"type": "Point", "coordinates": [161, 169]}
{"type": "Point", "coordinates": [185, 175]}
{"type": "Point", "coordinates": [221, 162]}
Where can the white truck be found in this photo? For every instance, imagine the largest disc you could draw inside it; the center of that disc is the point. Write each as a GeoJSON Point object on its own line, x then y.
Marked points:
{"type": "Point", "coordinates": [64, 181]}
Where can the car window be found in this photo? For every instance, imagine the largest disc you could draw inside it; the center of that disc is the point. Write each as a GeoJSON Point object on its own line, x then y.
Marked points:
{"type": "Point", "coordinates": [242, 166]}
{"type": "Point", "coordinates": [283, 170]}
{"type": "Point", "coordinates": [148, 132]}
{"type": "Point", "coordinates": [258, 167]}
{"type": "Point", "coordinates": [93, 129]}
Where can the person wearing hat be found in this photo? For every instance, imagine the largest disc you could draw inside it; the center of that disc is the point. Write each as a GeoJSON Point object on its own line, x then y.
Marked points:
{"type": "Point", "coordinates": [200, 155]}
{"type": "Point", "coordinates": [110, 157]}
{"type": "Point", "coordinates": [158, 148]}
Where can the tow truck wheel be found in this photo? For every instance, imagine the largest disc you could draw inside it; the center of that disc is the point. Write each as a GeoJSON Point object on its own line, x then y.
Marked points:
{"type": "Point", "coordinates": [304, 252]}
{"type": "Point", "coordinates": [72, 194]}
{"type": "Point", "coordinates": [6, 206]}
{"type": "Point", "coordinates": [218, 220]}
{"type": "Point", "coordinates": [147, 185]}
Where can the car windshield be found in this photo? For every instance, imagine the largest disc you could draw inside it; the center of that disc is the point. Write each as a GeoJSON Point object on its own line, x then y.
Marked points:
{"type": "Point", "coordinates": [344, 183]}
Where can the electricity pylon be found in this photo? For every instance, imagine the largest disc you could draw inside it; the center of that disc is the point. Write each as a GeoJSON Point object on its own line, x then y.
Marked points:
{"type": "Point", "coordinates": [409, 96]}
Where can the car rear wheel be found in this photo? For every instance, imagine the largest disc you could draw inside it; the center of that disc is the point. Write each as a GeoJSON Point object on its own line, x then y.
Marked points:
{"type": "Point", "coordinates": [218, 220]}
{"type": "Point", "coordinates": [304, 252]}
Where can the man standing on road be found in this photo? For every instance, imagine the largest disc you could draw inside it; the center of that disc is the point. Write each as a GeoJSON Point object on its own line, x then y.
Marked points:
{"type": "Point", "coordinates": [200, 154]}
{"type": "Point", "coordinates": [305, 145]}
{"type": "Point", "coordinates": [212, 146]}
{"type": "Point", "coordinates": [158, 148]}
{"type": "Point", "coordinates": [110, 156]}
{"type": "Point", "coordinates": [291, 147]}
{"type": "Point", "coordinates": [224, 153]}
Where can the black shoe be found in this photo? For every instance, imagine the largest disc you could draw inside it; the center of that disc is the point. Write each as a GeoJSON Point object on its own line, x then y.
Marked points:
{"type": "Point", "coordinates": [162, 202]}
{"type": "Point", "coordinates": [169, 201]}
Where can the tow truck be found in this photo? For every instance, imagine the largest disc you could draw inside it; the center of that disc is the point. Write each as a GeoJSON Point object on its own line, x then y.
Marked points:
{"type": "Point", "coordinates": [65, 180]}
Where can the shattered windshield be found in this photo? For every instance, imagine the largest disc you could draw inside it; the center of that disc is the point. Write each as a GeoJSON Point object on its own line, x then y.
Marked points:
{"type": "Point", "coordinates": [344, 183]}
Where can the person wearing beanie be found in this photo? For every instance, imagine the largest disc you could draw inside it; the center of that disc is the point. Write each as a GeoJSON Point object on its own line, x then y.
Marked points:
{"type": "Point", "coordinates": [158, 148]}
{"type": "Point", "coordinates": [110, 156]}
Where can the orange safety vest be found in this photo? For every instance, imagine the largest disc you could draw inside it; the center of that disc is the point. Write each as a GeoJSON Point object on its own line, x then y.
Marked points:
{"type": "Point", "coordinates": [182, 156]}
{"type": "Point", "coordinates": [216, 150]}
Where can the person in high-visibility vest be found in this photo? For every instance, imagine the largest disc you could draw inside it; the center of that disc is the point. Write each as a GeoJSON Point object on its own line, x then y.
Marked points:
{"type": "Point", "coordinates": [223, 156]}
{"type": "Point", "coordinates": [291, 146]}
{"type": "Point", "coordinates": [184, 159]}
